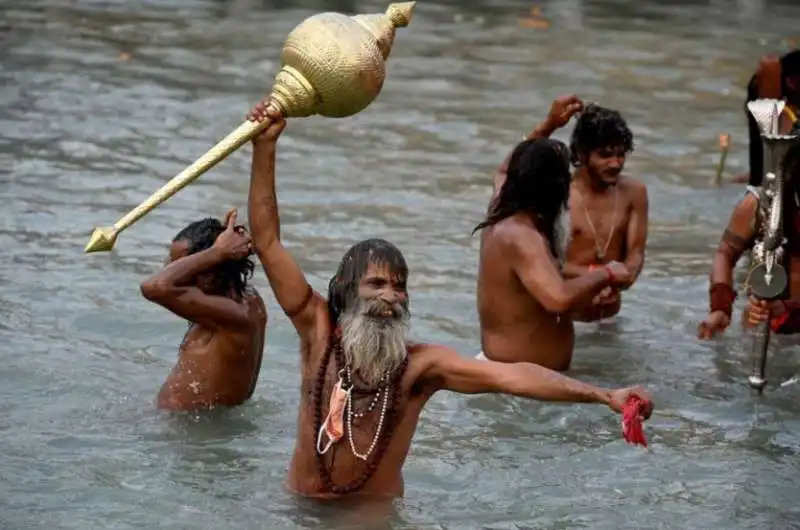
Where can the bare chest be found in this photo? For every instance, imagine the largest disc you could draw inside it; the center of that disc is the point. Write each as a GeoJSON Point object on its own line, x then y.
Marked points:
{"type": "Point", "coordinates": [598, 225]}
{"type": "Point", "coordinates": [370, 440]}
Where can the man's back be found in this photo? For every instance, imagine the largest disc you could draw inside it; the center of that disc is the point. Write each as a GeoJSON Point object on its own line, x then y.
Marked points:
{"type": "Point", "coordinates": [515, 327]}
{"type": "Point", "coordinates": [218, 367]}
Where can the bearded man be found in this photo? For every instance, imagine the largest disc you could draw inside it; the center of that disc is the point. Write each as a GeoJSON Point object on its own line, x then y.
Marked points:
{"type": "Point", "coordinates": [525, 306]}
{"type": "Point", "coordinates": [364, 384]}
{"type": "Point", "coordinates": [739, 236]}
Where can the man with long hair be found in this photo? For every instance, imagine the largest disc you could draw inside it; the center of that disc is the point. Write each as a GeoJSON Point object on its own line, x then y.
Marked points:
{"type": "Point", "coordinates": [364, 384]}
{"type": "Point", "coordinates": [205, 282]}
{"type": "Point", "coordinates": [525, 306]}
{"type": "Point", "coordinates": [738, 237]}
{"type": "Point", "coordinates": [608, 210]}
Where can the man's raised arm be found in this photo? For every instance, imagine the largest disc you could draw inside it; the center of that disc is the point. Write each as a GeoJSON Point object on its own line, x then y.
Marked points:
{"type": "Point", "coordinates": [561, 111]}
{"type": "Point", "coordinates": [294, 294]}
{"type": "Point", "coordinates": [173, 287]}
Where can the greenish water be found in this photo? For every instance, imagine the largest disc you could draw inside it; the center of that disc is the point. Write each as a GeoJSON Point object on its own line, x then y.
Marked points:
{"type": "Point", "coordinates": [84, 136]}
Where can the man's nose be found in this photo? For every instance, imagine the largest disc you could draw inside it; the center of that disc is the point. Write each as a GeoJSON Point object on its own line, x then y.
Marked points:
{"type": "Point", "coordinates": [390, 297]}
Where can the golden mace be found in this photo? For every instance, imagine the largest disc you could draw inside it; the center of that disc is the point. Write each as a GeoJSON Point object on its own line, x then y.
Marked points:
{"type": "Point", "coordinates": [331, 64]}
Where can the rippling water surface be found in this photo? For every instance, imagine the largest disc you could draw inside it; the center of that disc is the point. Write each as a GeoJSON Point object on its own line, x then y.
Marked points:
{"type": "Point", "coordinates": [101, 102]}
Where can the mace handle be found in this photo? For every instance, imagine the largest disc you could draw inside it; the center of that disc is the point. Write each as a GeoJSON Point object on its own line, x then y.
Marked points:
{"type": "Point", "coordinates": [757, 379]}
{"type": "Point", "coordinates": [103, 239]}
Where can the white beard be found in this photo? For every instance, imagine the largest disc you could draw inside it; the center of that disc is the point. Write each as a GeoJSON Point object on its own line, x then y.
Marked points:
{"type": "Point", "coordinates": [563, 235]}
{"type": "Point", "coordinates": [373, 348]}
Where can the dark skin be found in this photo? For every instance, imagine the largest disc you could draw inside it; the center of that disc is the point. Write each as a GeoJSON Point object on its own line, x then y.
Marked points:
{"type": "Point", "coordinates": [431, 367]}
{"type": "Point", "coordinates": [738, 237]}
{"type": "Point", "coordinates": [220, 357]}
{"type": "Point", "coordinates": [593, 201]}
{"type": "Point", "coordinates": [524, 303]}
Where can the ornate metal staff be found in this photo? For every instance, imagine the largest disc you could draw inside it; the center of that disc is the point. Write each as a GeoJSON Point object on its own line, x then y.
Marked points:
{"type": "Point", "coordinates": [331, 64]}
{"type": "Point", "coordinates": [767, 279]}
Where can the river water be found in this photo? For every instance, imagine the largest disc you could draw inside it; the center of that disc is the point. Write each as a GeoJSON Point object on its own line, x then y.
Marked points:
{"type": "Point", "coordinates": [101, 102]}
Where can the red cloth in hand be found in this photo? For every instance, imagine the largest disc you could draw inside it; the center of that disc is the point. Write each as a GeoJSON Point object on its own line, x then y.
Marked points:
{"type": "Point", "coordinates": [632, 429]}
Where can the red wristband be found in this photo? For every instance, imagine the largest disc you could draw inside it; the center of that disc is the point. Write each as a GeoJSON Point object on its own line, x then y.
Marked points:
{"type": "Point", "coordinates": [721, 297]}
{"type": "Point", "coordinates": [607, 270]}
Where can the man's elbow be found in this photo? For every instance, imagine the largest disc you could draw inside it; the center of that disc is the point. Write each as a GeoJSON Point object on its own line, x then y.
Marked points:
{"type": "Point", "coordinates": [155, 290]}
{"type": "Point", "coordinates": [722, 266]}
{"type": "Point", "coordinates": [559, 303]}
{"type": "Point", "coordinates": [263, 240]}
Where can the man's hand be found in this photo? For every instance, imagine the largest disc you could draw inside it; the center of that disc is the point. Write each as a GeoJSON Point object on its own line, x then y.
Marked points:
{"type": "Point", "coordinates": [264, 112]}
{"type": "Point", "coordinates": [715, 322]}
{"type": "Point", "coordinates": [620, 275]}
{"type": "Point", "coordinates": [759, 311]}
{"type": "Point", "coordinates": [607, 296]}
{"type": "Point", "coordinates": [620, 397]}
{"type": "Point", "coordinates": [234, 243]}
{"type": "Point", "coordinates": [562, 110]}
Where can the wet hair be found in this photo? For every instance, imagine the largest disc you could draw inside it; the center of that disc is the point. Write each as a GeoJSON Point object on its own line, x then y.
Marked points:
{"type": "Point", "coordinates": [228, 275]}
{"type": "Point", "coordinates": [343, 287]}
{"type": "Point", "coordinates": [537, 184]}
{"type": "Point", "coordinates": [598, 128]}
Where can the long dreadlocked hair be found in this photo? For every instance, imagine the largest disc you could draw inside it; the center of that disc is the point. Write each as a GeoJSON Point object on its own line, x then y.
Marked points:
{"type": "Point", "coordinates": [537, 184]}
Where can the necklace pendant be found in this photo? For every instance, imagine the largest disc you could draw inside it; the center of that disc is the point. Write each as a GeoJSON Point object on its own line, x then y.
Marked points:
{"type": "Point", "coordinates": [601, 256]}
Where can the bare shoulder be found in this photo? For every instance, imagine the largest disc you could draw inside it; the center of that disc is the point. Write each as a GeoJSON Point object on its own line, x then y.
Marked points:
{"type": "Point", "coordinates": [744, 214]}
{"type": "Point", "coordinates": [747, 205]}
{"type": "Point", "coordinates": [633, 187]}
{"type": "Point", "coordinates": [256, 302]}
{"type": "Point", "coordinates": [517, 233]}
{"type": "Point", "coordinates": [424, 358]}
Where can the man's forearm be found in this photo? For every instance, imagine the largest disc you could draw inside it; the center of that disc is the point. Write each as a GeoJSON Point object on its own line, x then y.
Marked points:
{"type": "Point", "coordinates": [185, 269]}
{"type": "Point", "coordinates": [585, 287]}
{"type": "Point", "coordinates": [634, 263]}
{"type": "Point", "coordinates": [573, 270]}
{"type": "Point", "coordinates": [721, 294]}
{"type": "Point", "coordinates": [262, 200]}
{"type": "Point", "coordinates": [722, 269]}
{"type": "Point", "coordinates": [536, 382]}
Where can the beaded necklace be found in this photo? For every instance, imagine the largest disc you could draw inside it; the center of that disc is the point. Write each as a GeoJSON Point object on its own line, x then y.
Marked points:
{"type": "Point", "coordinates": [389, 389]}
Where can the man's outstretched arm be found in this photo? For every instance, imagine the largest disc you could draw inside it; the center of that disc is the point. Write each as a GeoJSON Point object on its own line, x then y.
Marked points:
{"type": "Point", "coordinates": [450, 371]}
{"type": "Point", "coordinates": [292, 291]}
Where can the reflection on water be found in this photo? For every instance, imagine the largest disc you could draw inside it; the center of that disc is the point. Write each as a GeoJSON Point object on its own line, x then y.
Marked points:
{"type": "Point", "coordinates": [101, 102]}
